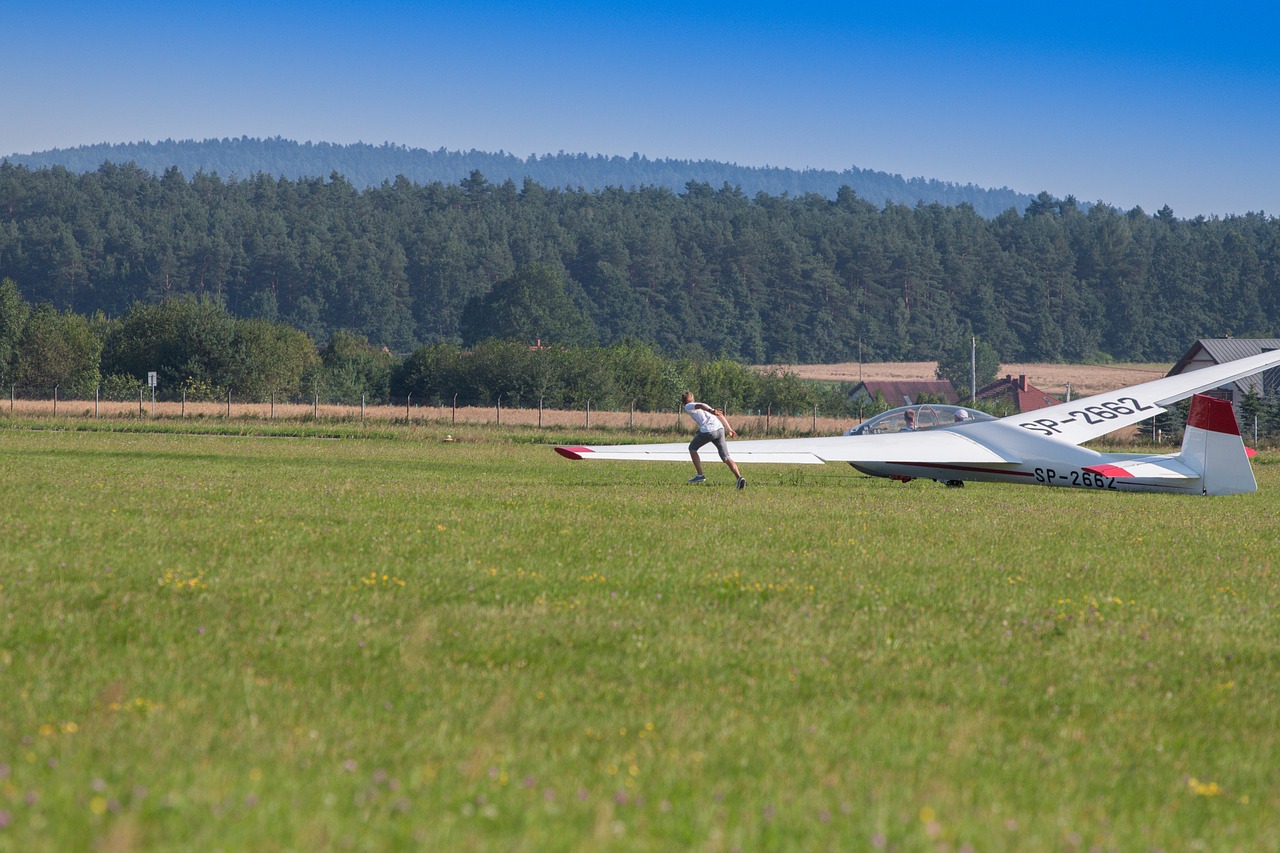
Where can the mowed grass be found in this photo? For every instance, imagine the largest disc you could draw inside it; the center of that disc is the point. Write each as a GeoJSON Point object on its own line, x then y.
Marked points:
{"type": "Point", "coordinates": [267, 643]}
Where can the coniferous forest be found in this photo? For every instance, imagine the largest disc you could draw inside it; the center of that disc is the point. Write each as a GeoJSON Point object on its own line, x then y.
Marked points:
{"type": "Point", "coordinates": [366, 165]}
{"type": "Point", "coordinates": [706, 270]}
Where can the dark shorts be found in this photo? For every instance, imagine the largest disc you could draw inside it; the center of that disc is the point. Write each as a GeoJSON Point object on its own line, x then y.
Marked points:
{"type": "Point", "coordinates": [716, 438]}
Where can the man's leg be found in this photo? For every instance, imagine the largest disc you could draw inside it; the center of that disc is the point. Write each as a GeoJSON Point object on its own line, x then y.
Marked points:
{"type": "Point", "coordinates": [721, 446]}
{"type": "Point", "coordinates": [698, 441]}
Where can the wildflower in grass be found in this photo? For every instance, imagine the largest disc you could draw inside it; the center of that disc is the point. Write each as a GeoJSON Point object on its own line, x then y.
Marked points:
{"type": "Point", "coordinates": [137, 706]}
{"type": "Point", "coordinates": [1203, 789]}
{"type": "Point", "coordinates": [175, 579]}
{"type": "Point", "coordinates": [373, 579]}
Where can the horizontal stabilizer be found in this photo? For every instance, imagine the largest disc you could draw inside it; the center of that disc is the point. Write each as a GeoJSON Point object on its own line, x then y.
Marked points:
{"type": "Point", "coordinates": [1154, 468]}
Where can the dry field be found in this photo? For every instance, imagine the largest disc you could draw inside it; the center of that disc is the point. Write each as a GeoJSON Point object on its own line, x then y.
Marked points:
{"type": "Point", "coordinates": [444, 417]}
{"type": "Point", "coordinates": [1085, 379]}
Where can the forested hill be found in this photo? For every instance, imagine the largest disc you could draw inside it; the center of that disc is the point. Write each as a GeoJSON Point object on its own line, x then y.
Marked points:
{"type": "Point", "coordinates": [761, 278]}
{"type": "Point", "coordinates": [369, 165]}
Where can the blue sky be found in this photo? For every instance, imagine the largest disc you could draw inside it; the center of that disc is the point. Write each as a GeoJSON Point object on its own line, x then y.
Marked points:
{"type": "Point", "coordinates": [1132, 104]}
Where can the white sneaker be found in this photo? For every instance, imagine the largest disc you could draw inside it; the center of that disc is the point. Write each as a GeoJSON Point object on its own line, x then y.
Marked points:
{"type": "Point", "coordinates": [742, 483]}
{"type": "Point", "coordinates": [701, 478]}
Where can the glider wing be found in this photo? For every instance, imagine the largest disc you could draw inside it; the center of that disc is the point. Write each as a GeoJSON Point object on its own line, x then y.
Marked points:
{"type": "Point", "coordinates": [1091, 417]}
{"type": "Point", "coordinates": [925, 446]}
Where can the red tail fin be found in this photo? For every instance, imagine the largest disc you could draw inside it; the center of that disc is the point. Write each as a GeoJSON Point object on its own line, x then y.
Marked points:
{"type": "Point", "coordinates": [1212, 448]}
{"type": "Point", "coordinates": [1212, 415]}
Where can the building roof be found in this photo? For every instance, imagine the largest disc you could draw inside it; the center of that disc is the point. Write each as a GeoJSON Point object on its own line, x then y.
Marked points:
{"type": "Point", "coordinates": [905, 392]}
{"type": "Point", "coordinates": [1024, 396]}
{"type": "Point", "coordinates": [1209, 351]}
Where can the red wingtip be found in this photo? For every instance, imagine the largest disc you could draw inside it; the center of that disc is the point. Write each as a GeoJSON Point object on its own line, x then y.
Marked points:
{"type": "Point", "coordinates": [573, 452]}
{"type": "Point", "coordinates": [1213, 415]}
{"type": "Point", "coordinates": [1250, 452]}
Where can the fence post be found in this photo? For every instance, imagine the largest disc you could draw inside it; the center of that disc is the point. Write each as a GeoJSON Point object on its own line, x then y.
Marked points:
{"type": "Point", "coordinates": [273, 405]}
{"type": "Point", "coordinates": [631, 418]}
{"type": "Point", "coordinates": [55, 401]}
{"type": "Point", "coordinates": [408, 399]}
{"type": "Point", "coordinates": [498, 410]}
{"type": "Point", "coordinates": [815, 418]}
{"type": "Point", "coordinates": [588, 414]}
{"type": "Point", "coordinates": [539, 413]}
{"type": "Point", "coordinates": [768, 413]}
{"type": "Point", "coordinates": [183, 412]}
{"type": "Point", "coordinates": [13, 391]}
{"type": "Point", "coordinates": [455, 410]}
{"type": "Point", "coordinates": [228, 404]}
{"type": "Point", "coordinates": [96, 391]}
{"type": "Point", "coordinates": [315, 405]}
{"type": "Point", "coordinates": [140, 392]}
{"type": "Point", "coordinates": [362, 409]}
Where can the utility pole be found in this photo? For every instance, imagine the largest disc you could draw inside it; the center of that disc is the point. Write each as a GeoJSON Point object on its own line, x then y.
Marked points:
{"type": "Point", "coordinates": [973, 370]}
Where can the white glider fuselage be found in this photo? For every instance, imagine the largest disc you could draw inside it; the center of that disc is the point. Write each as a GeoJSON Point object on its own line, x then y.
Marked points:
{"type": "Point", "coordinates": [1038, 448]}
{"type": "Point", "coordinates": [1041, 460]}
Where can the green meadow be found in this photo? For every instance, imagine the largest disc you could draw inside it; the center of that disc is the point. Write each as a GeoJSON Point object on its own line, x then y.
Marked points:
{"type": "Point", "coordinates": [351, 641]}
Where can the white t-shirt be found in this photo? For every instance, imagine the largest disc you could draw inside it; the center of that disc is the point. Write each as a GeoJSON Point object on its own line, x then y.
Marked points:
{"type": "Point", "coordinates": [706, 421]}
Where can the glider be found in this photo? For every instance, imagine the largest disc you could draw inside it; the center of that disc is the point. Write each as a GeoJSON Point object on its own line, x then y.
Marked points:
{"type": "Point", "coordinates": [1036, 448]}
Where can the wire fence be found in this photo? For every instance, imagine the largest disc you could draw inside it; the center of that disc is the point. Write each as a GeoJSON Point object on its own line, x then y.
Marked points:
{"type": "Point", "coordinates": [52, 403]}
{"type": "Point", "coordinates": [43, 402]}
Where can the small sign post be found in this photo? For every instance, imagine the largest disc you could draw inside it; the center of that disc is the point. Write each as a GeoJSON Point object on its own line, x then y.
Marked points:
{"type": "Point", "coordinates": [152, 380]}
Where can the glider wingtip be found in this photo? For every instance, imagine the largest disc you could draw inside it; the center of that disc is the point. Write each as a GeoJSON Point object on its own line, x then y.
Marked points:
{"type": "Point", "coordinates": [573, 452]}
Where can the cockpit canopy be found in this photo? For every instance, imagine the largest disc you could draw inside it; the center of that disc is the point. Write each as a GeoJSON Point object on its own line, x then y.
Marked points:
{"type": "Point", "coordinates": [919, 417]}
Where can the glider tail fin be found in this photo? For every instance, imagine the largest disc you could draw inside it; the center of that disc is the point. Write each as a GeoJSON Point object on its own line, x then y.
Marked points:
{"type": "Point", "coordinates": [1212, 447]}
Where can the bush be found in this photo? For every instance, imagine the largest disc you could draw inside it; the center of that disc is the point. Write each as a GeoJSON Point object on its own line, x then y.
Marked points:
{"type": "Point", "coordinates": [119, 388]}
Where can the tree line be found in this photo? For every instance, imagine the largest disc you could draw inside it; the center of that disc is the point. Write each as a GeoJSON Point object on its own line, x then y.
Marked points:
{"type": "Point", "coordinates": [705, 273]}
{"type": "Point", "coordinates": [200, 352]}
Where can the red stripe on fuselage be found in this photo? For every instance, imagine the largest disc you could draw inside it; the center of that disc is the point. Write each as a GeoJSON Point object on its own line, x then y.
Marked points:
{"type": "Point", "coordinates": [963, 468]}
{"type": "Point", "coordinates": [573, 452]}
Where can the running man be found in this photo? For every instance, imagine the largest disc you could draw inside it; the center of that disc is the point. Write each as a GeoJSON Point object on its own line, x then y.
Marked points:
{"type": "Point", "coordinates": [713, 426]}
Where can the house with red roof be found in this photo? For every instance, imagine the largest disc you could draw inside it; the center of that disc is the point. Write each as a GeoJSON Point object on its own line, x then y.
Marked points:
{"type": "Point", "coordinates": [1018, 393]}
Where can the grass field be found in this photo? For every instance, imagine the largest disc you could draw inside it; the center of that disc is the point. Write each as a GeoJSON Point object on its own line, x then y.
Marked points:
{"type": "Point", "coordinates": [274, 643]}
